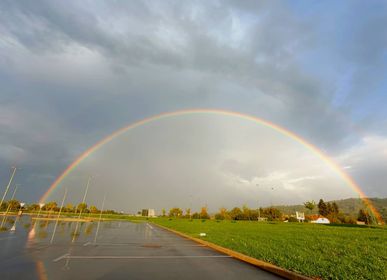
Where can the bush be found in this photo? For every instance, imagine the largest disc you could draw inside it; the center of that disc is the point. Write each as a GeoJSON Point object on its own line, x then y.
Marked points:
{"type": "Point", "coordinates": [292, 220]}
{"type": "Point", "coordinates": [219, 216]}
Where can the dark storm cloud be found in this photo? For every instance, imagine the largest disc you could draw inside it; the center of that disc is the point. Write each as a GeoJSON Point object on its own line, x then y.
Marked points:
{"type": "Point", "coordinates": [76, 71]}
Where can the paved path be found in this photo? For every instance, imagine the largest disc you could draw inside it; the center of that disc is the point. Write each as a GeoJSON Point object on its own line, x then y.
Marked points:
{"type": "Point", "coordinates": [123, 251]}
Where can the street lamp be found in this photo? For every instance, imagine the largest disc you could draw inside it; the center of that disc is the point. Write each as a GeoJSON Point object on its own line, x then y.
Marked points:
{"type": "Point", "coordinates": [13, 228]}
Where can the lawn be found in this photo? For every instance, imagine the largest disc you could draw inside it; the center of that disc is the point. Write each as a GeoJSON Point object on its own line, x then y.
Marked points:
{"type": "Point", "coordinates": [325, 251]}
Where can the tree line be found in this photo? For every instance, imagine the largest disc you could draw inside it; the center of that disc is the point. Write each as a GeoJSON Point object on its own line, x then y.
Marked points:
{"type": "Point", "coordinates": [325, 209]}
{"type": "Point", "coordinates": [332, 212]}
{"type": "Point", "coordinates": [52, 206]}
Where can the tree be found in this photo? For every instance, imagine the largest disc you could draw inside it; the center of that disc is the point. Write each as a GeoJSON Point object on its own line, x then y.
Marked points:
{"type": "Point", "coordinates": [188, 213]}
{"type": "Point", "coordinates": [272, 213]}
{"type": "Point", "coordinates": [50, 206]}
{"type": "Point", "coordinates": [365, 216]}
{"type": "Point", "coordinates": [322, 208]}
{"type": "Point", "coordinates": [196, 215]}
{"type": "Point", "coordinates": [4, 206]}
{"type": "Point", "coordinates": [222, 214]}
{"type": "Point", "coordinates": [94, 209]}
{"type": "Point", "coordinates": [246, 212]}
{"type": "Point", "coordinates": [203, 213]}
{"type": "Point", "coordinates": [82, 207]}
{"type": "Point", "coordinates": [13, 204]}
{"type": "Point", "coordinates": [33, 207]}
{"type": "Point", "coordinates": [164, 212]}
{"type": "Point", "coordinates": [69, 207]}
{"type": "Point", "coordinates": [236, 214]}
{"type": "Point", "coordinates": [175, 212]}
{"type": "Point", "coordinates": [310, 205]}
{"type": "Point", "coordinates": [335, 208]}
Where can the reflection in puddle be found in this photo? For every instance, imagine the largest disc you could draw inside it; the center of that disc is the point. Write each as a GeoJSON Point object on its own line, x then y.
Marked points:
{"type": "Point", "coordinates": [30, 241]}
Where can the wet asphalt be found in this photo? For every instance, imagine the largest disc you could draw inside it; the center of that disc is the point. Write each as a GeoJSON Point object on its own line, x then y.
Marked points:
{"type": "Point", "coordinates": [121, 250]}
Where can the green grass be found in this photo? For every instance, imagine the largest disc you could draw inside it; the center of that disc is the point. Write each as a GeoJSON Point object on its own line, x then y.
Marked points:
{"type": "Point", "coordinates": [326, 251]}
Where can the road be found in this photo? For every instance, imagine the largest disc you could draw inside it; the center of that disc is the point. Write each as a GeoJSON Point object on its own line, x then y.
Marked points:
{"type": "Point", "coordinates": [123, 250]}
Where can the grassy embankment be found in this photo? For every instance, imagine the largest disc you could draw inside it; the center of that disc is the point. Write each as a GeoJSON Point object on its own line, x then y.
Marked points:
{"type": "Point", "coordinates": [326, 251]}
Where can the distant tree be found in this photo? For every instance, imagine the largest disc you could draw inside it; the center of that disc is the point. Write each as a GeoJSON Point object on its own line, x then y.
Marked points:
{"type": "Point", "coordinates": [272, 213]}
{"type": "Point", "coordinates": [322, 208]}
{"type": "Point", "coordinates": [362, 216]}
{"type": "Point", "coordinates": [335, 208]}
{"type": "Point", "coordinates": [175, 212]}
{"type": "Point", "coordinates": [236, 213]}
{"type": "Point", "coordinates": [69, 207]}
{"type": "Point", "coordinates": [310, 205]}
{"type": "Point", "coordinates": [188, 213]}
{"type": "Point", "coordinates": [4, 206]}
{"type": "Point", "coordinates": [366, 216]}
{"type": "Point", "coordinates": [204, 213]}
{"type": "Point", "coordinates": [254, 214]}
{"type": "Point", "coordinates": [246, 212]}
{"type": "Point", "coordinates": [346, 219]}
{"type": "Point", "coordinates": [33, 207]}
{"type": "Point", "coordinates": [13, 204]}
{"type": "Point", "coordinates": [222, 214]}
{"type": "Point", "coordinates": [82, 207]}
{"type": "Point", "coordinates": [163, 212]}
{"type": "Point", "coordinates": [50, 206]}
{"type": "Point", "coordinates": [94, 210]}
{"type": "Point", "coordinates": [196, 215]}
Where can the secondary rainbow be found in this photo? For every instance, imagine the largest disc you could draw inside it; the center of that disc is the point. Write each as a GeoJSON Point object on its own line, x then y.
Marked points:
{"type": "Point", "coordinates": [349, 180]}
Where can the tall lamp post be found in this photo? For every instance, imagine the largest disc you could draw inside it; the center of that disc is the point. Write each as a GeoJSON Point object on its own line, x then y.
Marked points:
{"type": "Point", "coordinates": [9, 184]}
{"type": "Point", "coordinates": [18, 216]}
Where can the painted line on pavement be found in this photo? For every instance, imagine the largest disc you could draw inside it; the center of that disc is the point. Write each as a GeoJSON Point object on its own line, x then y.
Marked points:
{"type": "Point", "coordinates": [61, 257]}
{"type": "Point", "coordinates": [67, 256]}
{"type": "Point", "coordinates": [145, 244]}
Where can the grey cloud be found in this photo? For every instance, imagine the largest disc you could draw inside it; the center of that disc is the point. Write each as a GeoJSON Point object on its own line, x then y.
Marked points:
{"type": "Point", "coordinates": [87, 68]}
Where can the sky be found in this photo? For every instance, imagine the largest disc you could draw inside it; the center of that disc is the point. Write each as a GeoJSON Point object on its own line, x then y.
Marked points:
{"type": "Point", "coordinates": [73, 72]}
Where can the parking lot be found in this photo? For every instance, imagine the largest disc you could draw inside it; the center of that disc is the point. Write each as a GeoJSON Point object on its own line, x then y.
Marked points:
{"type": "Point", "coordinates": [121, 250]}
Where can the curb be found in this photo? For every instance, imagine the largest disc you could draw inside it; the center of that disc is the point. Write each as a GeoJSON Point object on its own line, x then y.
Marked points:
{"type": "Point", "coordinates": [247, 259]}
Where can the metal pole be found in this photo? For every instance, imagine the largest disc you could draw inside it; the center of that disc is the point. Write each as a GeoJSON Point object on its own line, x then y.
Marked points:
{"type": "Point", "coordinates": [9, 184]}
{"type": "Point", "coordinates": [87, 188]}
{"type": "Point", "coordinates": [80, 210]}
{"type": "Point", "coordinates": [57, 218]}
{"type": "Point", "coordinates": [99, 221]}
{"type": "Point", "coordinates": [9, 206]}
{"type": "Point", "coordinates": [13, 228]}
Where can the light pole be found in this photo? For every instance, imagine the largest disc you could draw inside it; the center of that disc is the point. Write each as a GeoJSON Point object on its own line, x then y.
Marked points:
{"type": "Point", "coordinates": [41, 205]}
{"type": "Point", "coordinates": [57, 218]}
{"type": "Point", "coordinates": [9, 206]}
{"type": "Point", "coordinates": [99, 221]}
{"type": "Point", "coordinates": [80, 210]}
{"type": "Point", "coordinates": [18, 216]}
{"type": "Point", "coordinates": [9, 184]}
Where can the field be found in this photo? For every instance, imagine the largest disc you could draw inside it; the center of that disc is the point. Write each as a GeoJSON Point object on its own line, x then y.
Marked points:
{"type": "Point", "coordinates": [321, 251]}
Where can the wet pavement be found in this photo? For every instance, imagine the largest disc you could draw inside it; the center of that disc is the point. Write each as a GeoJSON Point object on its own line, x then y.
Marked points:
{"type": "Point", "coordinates": [120, 250]}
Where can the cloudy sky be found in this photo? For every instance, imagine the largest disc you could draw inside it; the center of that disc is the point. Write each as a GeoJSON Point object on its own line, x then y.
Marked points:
{"type": "Point", "coordinates": [72, 72]}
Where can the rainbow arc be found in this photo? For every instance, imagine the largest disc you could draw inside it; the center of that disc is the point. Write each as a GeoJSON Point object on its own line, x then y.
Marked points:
{"type": "Point", "coordinates": [329, 161]}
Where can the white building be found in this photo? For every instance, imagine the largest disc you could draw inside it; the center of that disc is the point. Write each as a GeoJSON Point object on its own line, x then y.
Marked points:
{"type": "Point", "coordinates": [148, 213]}
{"type": "Point", "coordinates": [321, 221]}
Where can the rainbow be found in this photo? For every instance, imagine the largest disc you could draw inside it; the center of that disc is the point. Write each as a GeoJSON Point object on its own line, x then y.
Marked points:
{"type": "Point", "coordinates": [256, 120]}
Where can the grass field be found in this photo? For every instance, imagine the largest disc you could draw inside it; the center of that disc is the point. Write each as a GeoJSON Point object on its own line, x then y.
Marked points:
{"type": "Point", "coordinates": [324, 251]}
